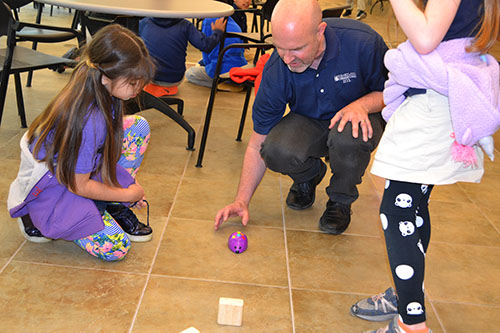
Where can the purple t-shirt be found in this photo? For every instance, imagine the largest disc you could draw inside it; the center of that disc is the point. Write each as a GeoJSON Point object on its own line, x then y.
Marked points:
{"type": "Point", "coordinates": [93, 136]}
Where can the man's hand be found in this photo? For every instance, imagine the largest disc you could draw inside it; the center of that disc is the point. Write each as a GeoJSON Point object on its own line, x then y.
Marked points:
{"type": "Point", "coordinates": [237, 208]}
{"type": "Point", "coordinates": [358, 117]}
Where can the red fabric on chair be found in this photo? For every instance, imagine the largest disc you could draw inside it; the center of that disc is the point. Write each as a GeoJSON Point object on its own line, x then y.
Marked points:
{"type": "Point", "coordinates": [240, 75]}
{"type": "Point", "coordinates": [159, 91]}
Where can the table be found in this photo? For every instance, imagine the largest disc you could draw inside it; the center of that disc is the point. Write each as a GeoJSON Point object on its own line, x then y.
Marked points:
{"type": "Point", "coordinates": [153, 8]}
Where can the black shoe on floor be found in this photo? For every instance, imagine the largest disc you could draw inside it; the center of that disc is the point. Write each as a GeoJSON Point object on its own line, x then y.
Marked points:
{"type": "Point", "coordinates": [135, 230]}
{"type": "Point", "coordinates": [30, 232]}
{"type": "Point", "coordinates": [336, 218]}
{"type": "Point", "coordinates": [302, 195]}
{"type": "Point", "coordinates": [347, 12]}
{"type": "Point", "coordinates": [361, 15]}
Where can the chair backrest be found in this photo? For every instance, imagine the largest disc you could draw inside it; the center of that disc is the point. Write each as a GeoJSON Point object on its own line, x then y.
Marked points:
{"type": "Point", "coordinates": [5, 18]}
{"type": "Point", "coordinates": [334, 11]}
{"type": "Point", "coordinates": [267, 8]}
{"type": "Point", "coordinates": [14, 4]}
{"type": "Point", "coordinates": [95, 21]}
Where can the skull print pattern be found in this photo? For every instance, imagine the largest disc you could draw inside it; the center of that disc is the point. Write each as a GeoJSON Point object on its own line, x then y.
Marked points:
{"type": "Point", "coordinates": [405, 220]}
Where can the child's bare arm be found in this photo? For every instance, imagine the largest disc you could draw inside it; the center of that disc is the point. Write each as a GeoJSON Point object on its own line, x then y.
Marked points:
{"type": "Point", "coordinates": [95, 190]}
{"type": "Point", "coordinates": [425, 29]}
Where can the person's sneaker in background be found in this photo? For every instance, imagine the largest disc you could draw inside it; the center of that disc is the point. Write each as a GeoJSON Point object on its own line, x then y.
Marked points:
{"type": "Point", "coordinates": [347, 12]}
{"type": "Point", "coordinates": [360, 15]}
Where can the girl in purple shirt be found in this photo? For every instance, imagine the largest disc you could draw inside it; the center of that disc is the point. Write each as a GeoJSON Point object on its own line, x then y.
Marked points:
{"type": "Point", "coordinates": [80, 156]}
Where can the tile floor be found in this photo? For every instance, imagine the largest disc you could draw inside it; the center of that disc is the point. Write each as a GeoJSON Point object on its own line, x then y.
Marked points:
{"type": "Point", "coordinates": [292, 277]}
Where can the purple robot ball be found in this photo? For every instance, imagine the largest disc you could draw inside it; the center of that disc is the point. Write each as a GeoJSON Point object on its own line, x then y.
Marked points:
{"type": "Point", "coordinates": [238, 242]}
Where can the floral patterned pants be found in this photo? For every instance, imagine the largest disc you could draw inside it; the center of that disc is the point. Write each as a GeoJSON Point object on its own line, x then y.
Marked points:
{"type": "Point", "coordinates": [112, 243]}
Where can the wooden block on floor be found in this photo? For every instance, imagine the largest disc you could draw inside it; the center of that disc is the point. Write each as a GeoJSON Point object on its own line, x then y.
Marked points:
{"type": "Point", "coordinates": [230, 311]}
{"type": "Point", "coordinates": [190, 330]}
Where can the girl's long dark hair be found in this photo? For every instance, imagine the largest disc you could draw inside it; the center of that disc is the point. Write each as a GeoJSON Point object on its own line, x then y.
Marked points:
{"type": "Point", "coordinates": [115, 52]}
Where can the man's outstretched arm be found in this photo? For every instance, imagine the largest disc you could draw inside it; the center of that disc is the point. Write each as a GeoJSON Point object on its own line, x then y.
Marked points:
{"type": "Point", "coordinates": [251, 174]}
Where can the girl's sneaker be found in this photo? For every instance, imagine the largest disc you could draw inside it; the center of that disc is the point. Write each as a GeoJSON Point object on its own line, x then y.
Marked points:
{"type": "Point", "coordinates": [393, 327]}
{"type": "Point", "coordinates": [30, 232]}
{"type": "Point", "coordinates": [381, 307]}
{"type": "Point", "coordinates": [135, 230]}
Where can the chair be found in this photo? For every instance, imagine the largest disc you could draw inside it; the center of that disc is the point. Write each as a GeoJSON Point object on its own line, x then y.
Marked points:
{"type": "Point", "coordinates": [381, 2]}
{"type": "Point", "coordinates": [334, 11]}
{"type": "Point", "coordinates": [146, 99]}
{"type": "Point", "coordinates": [258, 12]}
{"type": "Point", "coordinates": [17, 59]}
{"type": "Point", "coordinates": [162, 104]}
{"type": "Point", "coordinates": [38, 33]}
{"type": "Point", "coordinates": [95, 21]}
{"type": "Point", "coordinates": [267, 11]}
{"type": "Point", "coordinates": [258, 43]}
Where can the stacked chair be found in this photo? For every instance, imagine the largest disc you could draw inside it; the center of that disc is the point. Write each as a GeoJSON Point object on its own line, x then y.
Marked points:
{"type": "Point", "coordinates": [15, 59]}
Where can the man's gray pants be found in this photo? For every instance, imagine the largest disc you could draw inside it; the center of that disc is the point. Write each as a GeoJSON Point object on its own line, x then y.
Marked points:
{"type": "Point", "coordinates": [295, 145]}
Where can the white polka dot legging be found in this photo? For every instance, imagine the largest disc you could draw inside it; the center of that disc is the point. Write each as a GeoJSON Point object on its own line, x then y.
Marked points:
{"type": "Point", "coordinates": [405, 219]}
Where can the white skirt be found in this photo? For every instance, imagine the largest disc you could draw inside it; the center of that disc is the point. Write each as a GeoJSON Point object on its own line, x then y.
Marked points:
{"type": "Point", "coordinates": [416, 145]}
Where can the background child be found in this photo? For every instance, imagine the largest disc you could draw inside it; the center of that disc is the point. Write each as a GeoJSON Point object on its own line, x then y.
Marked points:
{"type": "Point", "coordinates": [203, 75]}
{"type": "Point", "coordinates": [167, 40]}
{"type": "Point", "coordinates": [361, 14]}
{"type": "Point", "coordinates": [71, 168]}
{"type": "Point", "coordinates": [442, 103]}
{"type": "Point", "coordinates": [238, 16]}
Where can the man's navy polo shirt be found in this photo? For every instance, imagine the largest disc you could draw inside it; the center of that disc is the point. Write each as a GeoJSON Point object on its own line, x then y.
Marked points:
{"type": "Point", "coordinates": [352, 66]}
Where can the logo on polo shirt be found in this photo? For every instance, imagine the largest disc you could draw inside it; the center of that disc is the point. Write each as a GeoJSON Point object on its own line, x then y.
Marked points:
{"type": "Point", "coordinates": [345, 77]}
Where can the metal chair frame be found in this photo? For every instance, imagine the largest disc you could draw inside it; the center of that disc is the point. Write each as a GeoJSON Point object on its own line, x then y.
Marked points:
{"type": "Point", "coordinates": [260, 46]}
{"type": "Point", "coordinates": [17, 59]}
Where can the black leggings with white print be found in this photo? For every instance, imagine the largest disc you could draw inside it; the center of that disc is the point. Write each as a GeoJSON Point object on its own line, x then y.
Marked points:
{"type": "Point", "coordinates": [405, 219]}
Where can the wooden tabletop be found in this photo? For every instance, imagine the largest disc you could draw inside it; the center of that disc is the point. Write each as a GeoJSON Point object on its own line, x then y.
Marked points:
{"type": "Point", "coordinates": [153, 8]}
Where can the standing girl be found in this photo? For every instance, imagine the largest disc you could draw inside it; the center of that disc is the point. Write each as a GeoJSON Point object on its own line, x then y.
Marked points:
{"type": "Point", "coordinates": [442, 105]}
{"type": "Point", "coordinates": [73, 184]}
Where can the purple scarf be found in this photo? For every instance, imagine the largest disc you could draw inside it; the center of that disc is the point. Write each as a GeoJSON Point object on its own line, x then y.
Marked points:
{"type": "Point", "coordinates": [470, 81]}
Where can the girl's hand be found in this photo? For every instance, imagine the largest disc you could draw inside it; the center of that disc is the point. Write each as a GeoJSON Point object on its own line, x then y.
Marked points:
{"type": "Point", "coordinates": [136, 192]}
{"type": "Point", "coordinates": [139, 204]}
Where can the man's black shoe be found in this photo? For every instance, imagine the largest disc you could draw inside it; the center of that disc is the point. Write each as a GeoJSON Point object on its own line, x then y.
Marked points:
{"type": "Point", "coordinates": [302, 195]}
{"type": "Point", "coordinates": [336, 218]}
{"type": "Point", "coordinates": [136, 230]}
{"type": "Point", "coordinates": [30, 232]}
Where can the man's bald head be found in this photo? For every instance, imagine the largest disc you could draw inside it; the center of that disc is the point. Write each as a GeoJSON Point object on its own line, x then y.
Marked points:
{"type": "Point", "coordinates": [298, 33]}
{"type": "Point", "coordinates": [296, 14]}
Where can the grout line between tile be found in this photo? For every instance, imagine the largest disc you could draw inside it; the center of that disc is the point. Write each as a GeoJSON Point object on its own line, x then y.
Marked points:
{"type": "Point", "coordinates": [479, 207]}
{"type": "Point", "coordinates": [219, 281]}
{"type": "Point", "coordinates": [160, 241]}
{"type": "Point", "coordinates": [465, 244]}
{"type": "Point", "coordinates": [12, 256]}
{"type": "Point", "coordinates": [78, 267]}
{"type": "Point", "coordinates": [332, 291]}
{"type": "Point", "coordinates": [229, 223]}
{"type": "Point", "coordinates": [276, 228]}
{"type": "Point", "coordinates": [466, 303]}
{"type": "Point", "coordinates": [436, 313]}
{"type": "Point", "coordinates": [343, 234]}
{"type": "Point", "coordinates": [286, 258]}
